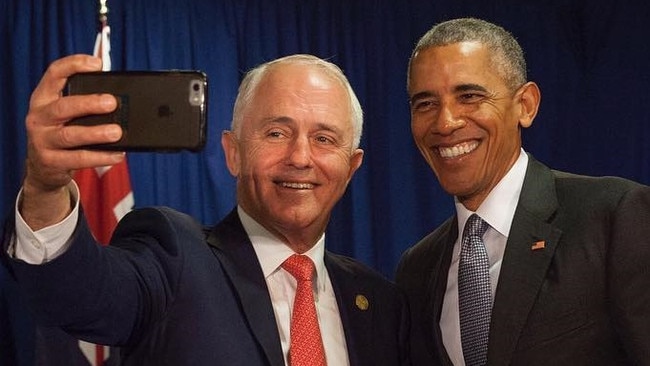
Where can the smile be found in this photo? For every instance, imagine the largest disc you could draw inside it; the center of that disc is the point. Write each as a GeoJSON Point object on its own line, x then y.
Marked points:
{"type": "Point", "coordinates": [297, 185]}
{"type": "Point", "coordinates": [457, 150]}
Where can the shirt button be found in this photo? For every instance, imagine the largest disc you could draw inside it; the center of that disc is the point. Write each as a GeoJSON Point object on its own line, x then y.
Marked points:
{"type": "Point", "coordinates": [37, 244]}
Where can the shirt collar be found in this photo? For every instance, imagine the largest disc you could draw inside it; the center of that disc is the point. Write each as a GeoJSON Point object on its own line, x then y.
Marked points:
{"type": "Point", "coordinates": [499, 206]}
{"type": "Point", "coordinates": [272, 252]}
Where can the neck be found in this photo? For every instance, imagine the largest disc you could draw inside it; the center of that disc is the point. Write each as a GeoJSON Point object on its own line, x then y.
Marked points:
{"type": "Point", "coordinates": [300, 241]}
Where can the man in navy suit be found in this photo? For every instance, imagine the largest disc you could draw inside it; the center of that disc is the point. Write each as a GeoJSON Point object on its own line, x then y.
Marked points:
{"type": "Point", "coordinates": [568, 256]}
{"type": "Point", "coordinates": [170, 292]}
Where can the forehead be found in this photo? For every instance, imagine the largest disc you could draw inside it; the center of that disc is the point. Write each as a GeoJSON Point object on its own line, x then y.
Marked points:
{"type": "Point", "coordinates": [300, 78]}
{"type": "Point", "coordinates": [301, 91]}
{"type": "Point", "coordinates": [451, 65]}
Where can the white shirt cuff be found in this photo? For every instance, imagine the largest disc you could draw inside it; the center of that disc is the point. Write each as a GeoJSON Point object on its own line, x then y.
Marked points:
{"type": "Point", "coordinates": [44, 245]}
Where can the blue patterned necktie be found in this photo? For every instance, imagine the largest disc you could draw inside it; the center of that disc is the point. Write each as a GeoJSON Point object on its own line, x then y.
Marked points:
{"type": "Point", "coordinates": [474, 296]}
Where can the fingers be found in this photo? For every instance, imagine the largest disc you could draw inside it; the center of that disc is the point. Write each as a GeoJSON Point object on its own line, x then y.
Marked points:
{"type": "Point", "coordinates": [51, 154]}
{"type": "Point", "coordinates": [47, 129]}
{"type": "Point", "coordinates": [54, 79]}
{"type": "Point", "coordinates": [63, 109]}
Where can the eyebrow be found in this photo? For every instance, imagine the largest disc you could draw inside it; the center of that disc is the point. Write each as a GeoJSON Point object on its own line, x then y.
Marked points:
{"type": "Point", "coordinates": [277, 119]}
{"type": "Point", "coordinates": [288, 121]}
{"type": "Point", "coordinates": [469, 87]}
{"type": "Point", "coordinates": [457, 89]}
{"type": "Point", "coordinates": [328, 127]}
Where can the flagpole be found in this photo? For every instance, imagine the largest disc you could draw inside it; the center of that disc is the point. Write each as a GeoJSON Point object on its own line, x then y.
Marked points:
{"type": "Point", "coordinates": [102, 52]}
{"type": "Point", "coordinates": [102, 44]}
{"type": "Point", "coordinates": [103, 12]}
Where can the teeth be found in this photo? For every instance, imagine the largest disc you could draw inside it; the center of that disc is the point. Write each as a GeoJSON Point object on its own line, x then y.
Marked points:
{"type": "Point", "coordinates": [297, 185]}
{"type": "Point", "coordinates": [458, 150]}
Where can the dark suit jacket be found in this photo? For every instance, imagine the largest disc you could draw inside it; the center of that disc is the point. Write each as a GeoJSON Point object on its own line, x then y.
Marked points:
{"type": "Point", "coordinates": [583, 299]}
{"type": "Point", "coordinates": [171, 293]}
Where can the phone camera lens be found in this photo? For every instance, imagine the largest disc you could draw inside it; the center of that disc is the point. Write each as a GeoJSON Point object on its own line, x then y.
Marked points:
{"type": "Point", "coordinates": [196, 92]}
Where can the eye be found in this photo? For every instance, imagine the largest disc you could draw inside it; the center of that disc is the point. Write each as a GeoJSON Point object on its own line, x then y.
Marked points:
{"type": "Point", "coordinates": [322, 139]}
{"type": "Point", "coordinates": [275, 134]}
{"type": "Point", "coordinates": [423, 105]}
{"type": "Point", "coordinates": [470, 97]}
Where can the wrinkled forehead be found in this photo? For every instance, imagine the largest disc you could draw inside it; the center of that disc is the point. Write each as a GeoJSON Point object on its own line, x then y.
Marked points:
{"type": "Point", "coordinates": [300, 75]}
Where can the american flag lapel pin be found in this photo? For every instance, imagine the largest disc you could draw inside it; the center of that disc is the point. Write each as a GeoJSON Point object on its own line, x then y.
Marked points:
{"type": "Point", "coordinates": [538, 245]}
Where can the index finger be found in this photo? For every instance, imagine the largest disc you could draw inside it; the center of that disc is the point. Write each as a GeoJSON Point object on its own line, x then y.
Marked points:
{"type": "Point", "coordinates": [56, 76]}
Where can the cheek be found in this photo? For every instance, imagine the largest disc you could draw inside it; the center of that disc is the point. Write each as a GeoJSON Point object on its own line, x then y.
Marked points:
{"type": "Point", "coordinates": [419, 128]}
{"type": "Point", "coordinates": [336, 166]}
{"type": "Point", "coordinates": [257, 155]}
{"type": "Point", "coordinates": [505, 132]}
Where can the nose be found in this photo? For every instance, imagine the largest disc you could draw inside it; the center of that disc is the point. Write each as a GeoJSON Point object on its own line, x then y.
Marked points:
{"type": "Point", "coordinates": [448, 121]}
{"type": "Point", "coordinates": [299, 153]}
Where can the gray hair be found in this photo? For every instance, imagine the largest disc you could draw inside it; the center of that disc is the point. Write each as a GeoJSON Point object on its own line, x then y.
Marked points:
{"type": "Point", "coordinates": [507, 55]}
{"type": "Point", "coordinates": [251, 81]}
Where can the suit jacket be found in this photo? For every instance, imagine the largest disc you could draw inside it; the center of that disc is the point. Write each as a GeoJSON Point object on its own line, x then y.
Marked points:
{"type": "Point", "coordinates": [581, 299]}
{"type": "Point", "coordinates": [170, 292]}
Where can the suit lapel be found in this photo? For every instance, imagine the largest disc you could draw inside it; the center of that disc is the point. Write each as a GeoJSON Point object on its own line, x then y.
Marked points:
{"type": "Point", "coordinates": [232, 246]}
{"type": "Point", "coordinates": [350, 296]}
{"type": "Point", "coordinates": [439, 285]}
{"type": "Point", "coordinates": [525, 262]}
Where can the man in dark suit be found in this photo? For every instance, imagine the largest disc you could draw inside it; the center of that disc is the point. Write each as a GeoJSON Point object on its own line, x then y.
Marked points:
{"type": "Point", "coordinates": [564, 259]}
{"type": "Point", "coordinates": [171, 292]}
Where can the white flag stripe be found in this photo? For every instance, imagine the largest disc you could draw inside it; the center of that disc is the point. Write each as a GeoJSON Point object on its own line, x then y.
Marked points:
{"type": "Point", "coordinates": [103, 43]}
{"type": "Point", "coordinates": [101, 170]}
{"type": "Point", "coordinates": [124, 206]}
{"type": "Point", "coordinates": [90, 351]}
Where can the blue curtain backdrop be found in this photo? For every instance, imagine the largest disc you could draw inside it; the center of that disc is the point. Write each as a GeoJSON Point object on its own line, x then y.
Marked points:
{"type": "Point", "coordinates": [590, 59]}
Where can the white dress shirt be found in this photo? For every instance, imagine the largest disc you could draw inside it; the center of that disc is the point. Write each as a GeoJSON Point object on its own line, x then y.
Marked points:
{"type": "Point", "coordinates": [497, 210]}
{"type": "Point", "coordinates": [271, 253]}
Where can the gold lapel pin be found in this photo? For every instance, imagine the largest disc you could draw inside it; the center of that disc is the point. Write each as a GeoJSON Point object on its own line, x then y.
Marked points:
{"type": "Point", "coordinates": [538, 245]}
{"type": "Point", "coordinates": [361, 302]}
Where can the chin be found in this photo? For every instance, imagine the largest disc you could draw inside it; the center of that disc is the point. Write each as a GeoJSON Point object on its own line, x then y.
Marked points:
{"type": "Point", "coordinates": [296, 217]}
{"type": "Point", "coordinates": [456, 189]}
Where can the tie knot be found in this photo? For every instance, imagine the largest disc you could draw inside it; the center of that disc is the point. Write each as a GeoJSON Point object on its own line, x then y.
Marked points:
{"type": "Point", "coordinates": [300, 267]}
{"type": "Point", "coordinates": [475, 226]}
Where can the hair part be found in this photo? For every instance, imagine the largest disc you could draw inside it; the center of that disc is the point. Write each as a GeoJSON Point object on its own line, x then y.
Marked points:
{"type": "Point", "coordinates": [507, 56]}
{"type": "Point", "coordinates": [252, 79]}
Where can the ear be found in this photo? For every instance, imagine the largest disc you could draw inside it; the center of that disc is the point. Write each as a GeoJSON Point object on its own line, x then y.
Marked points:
{"type": "Point", "coordinates": [529, 98]}
{"type": "Point", "coordinates": [231, 152]}
{"type": "Point", "coordinates": [355, 162]}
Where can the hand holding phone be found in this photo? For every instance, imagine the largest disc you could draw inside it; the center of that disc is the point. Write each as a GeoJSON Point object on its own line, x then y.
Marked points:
{"type": "Point", "coordinates": [163, 111]}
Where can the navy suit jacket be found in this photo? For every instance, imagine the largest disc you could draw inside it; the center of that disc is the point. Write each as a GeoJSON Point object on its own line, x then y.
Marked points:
{"type": "Point", "coordinates": [583, 298]}
{"type": "Point", "coordinates": [171, 292]}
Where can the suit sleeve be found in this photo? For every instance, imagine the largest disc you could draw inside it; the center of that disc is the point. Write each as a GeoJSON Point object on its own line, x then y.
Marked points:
{"type": "Point", "coordinates": [629, 273]}
{"type": "Point", "coordinates": [110, 295]}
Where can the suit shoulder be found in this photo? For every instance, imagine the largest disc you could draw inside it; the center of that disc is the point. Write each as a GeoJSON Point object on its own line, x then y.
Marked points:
{"type": "Point", "coordinates": [347, 266]}
{"type": "Point", "coordinates": [596, 189]}
{"type": "Point", "coordinates": [351, 265]}
{"type": "Point", "coordinates": [432, 240]}
{"type": "Point", "coordinates": [612, 182]}
{"type": "Point", "coordinates": [159, 215]}
{"type": "Point", "coordinates": [164, 224]}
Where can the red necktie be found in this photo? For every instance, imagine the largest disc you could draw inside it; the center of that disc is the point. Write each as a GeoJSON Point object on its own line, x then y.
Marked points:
{"type": "Point", "coordinates": [306, 347]}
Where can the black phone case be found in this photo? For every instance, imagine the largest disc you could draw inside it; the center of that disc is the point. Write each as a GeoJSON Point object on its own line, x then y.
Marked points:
{"type": "Point", "coordinates": [162, 111]}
